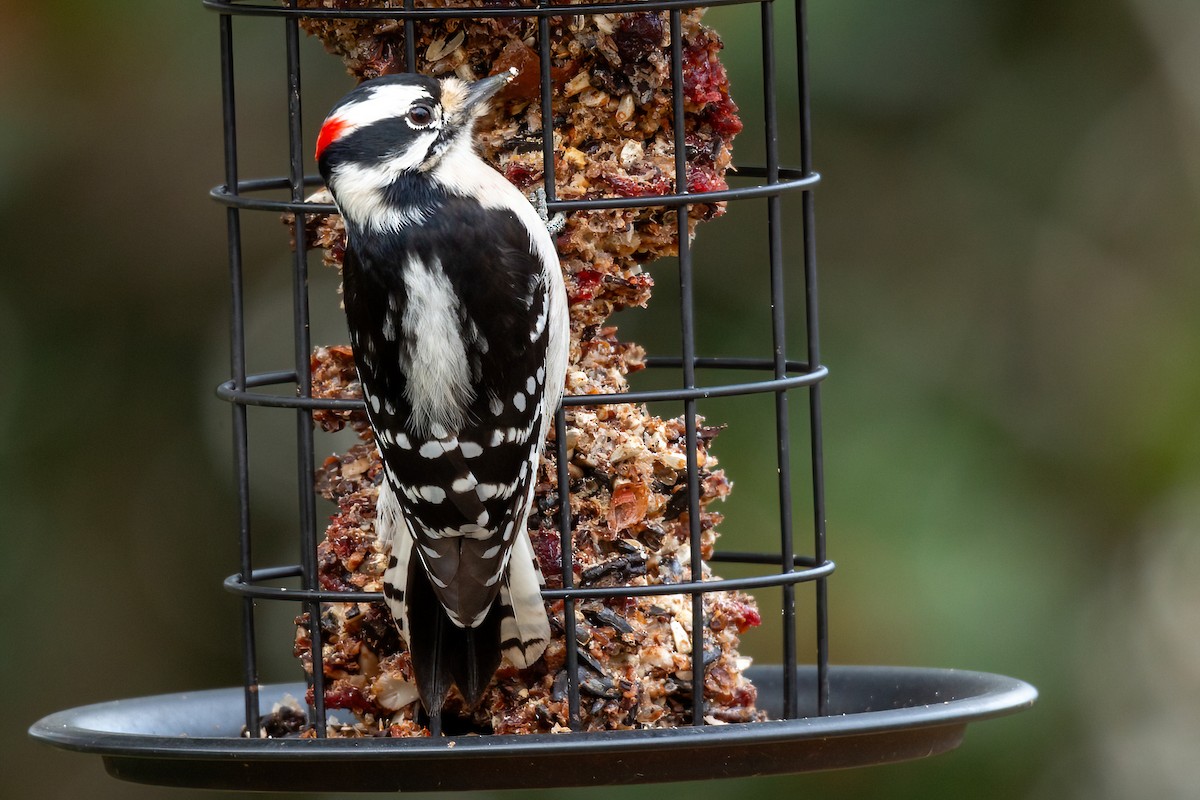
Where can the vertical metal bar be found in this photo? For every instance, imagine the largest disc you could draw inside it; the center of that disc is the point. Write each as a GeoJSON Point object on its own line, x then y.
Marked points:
{"type": "Point", "coordinates": [566, 545]}
{"type": "Point", "coordinates": [237, 359]}
{"type": "Point", "coordinates": [547, 93]}
{"type": "Point", "coordinates": [410, 39]}
{"type": "Point", "coordinates": [814, 359]}
{"type": "Point", "coordinates": [791, 701]}
{"type": "Point", "coordinates": [688, 346]}
{"type": "Point", "coordinates": [566, 539]}
{"type": "Point", "coordinates": [303, 348]}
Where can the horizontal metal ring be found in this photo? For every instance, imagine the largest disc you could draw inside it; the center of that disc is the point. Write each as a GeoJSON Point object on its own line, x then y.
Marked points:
{"type": "Point", "coordinates": [624, 7]}
{"type": "Point", "coordinates": [791, 180]}
{"type": "Point", "coordinates": [236, 585]}
{"type": "Point", "coordinates": [807, 377]}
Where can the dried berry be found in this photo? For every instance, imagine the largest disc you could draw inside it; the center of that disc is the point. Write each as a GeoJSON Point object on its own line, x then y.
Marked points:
{"type": "Point", "coordinates": [638, 35]}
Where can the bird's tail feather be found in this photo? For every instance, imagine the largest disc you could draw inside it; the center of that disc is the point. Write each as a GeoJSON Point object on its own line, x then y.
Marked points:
{"type": "Point", "coordinates": [443, 654]}
{"type": "Point", "coordinates": [524, 626]}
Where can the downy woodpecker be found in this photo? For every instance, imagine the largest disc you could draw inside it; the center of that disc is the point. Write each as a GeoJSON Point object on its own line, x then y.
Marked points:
{"type": "Point", "coordinates": [458, 322]}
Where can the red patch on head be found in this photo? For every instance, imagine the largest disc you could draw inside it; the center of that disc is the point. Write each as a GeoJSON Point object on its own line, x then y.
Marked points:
{"type": "Point", "coordinates": [331, 131]}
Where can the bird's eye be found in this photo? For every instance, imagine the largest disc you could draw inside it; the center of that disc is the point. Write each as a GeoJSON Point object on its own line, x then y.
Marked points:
{"type": "Point", "coordinates": [420, 115]}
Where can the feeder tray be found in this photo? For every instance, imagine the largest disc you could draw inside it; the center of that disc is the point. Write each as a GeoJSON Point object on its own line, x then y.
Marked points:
{"type": "Point", "coordinates": [820, 717]}
{"type": "Point", "coordinates": [878, 715]}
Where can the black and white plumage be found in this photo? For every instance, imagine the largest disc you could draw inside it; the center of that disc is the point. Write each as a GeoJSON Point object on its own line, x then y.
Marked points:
{"type": "Point", "coordinates": [458, 322]}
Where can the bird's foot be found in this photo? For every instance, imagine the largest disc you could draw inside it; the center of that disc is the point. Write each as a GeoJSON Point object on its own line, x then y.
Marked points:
{"type": "Point", "coordinates": [553, 224]}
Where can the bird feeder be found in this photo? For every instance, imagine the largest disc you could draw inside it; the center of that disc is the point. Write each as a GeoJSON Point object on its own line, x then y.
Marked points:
{"type": "Point", "coordinates": [623, 117]}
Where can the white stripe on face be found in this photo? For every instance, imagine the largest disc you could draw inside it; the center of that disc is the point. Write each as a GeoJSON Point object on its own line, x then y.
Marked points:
{"type": "Point", "coordinates": [384, 102]}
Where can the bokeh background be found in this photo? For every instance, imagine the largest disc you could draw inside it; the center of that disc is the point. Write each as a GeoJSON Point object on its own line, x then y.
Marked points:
{"type": "Point", "coordinates": [1007, 236]}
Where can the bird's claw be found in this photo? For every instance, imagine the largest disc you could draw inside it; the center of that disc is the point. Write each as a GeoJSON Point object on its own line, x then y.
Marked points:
{"type": "Point", "coordinates": [553, 224]}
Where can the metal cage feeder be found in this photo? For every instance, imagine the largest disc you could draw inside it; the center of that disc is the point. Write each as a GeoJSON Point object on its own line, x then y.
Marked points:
{"type": "Point", "coordinates": [820, 716]}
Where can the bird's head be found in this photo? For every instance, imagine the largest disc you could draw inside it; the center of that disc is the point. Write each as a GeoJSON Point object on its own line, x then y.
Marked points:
{"type": "Point", "coordinates": [399, 124]}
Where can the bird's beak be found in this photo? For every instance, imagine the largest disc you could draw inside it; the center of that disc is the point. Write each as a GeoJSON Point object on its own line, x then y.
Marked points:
{"type": "Point", "coordinates": [479, 92]}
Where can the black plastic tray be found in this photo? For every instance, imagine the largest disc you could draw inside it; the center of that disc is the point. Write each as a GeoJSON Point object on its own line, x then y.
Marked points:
{"type": "Point", "coordinates": [878, 715]}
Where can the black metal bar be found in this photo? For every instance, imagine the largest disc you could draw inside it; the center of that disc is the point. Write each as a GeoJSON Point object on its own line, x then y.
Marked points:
{"type": "Point", "coordinates": [687, 335]}
{"type": "Point", "coordinates": [235, 585]}
{"type": "Point", "coordinates": [795, 181]}
{"type": "Point", "coordinates": [546, 94]}
{"type": "Point", "coordinates": [567, 549]}
{"type": "Point", "coordinates": [410, 38]}
{"type": "Point", "coordinates": [814, 357]}
{"type": "Point", "coordinates": [720, 556]}
{"type": "Point", "coordinates": [237, 363]}
{"type": "Point", "coordinates": [791, 699]}
{"type": "Point", "coordinates": [464, 12]}
{"type": "Point", "coordinates": [302, 350]}
{"type": "Point", "coordinates": [566, 537]}
{"type": "Point", "coordinates": [651, 362]}
{"type": "Point", "coordinates": [226, 391]}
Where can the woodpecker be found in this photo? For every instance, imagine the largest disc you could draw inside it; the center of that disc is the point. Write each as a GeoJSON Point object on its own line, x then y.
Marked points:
{"type": "Point", "coordinates": [458, 321]}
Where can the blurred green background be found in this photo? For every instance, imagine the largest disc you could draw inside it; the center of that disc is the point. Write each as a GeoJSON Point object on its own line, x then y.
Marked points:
{"type": "Point", "coordinates": [1007, 236]}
